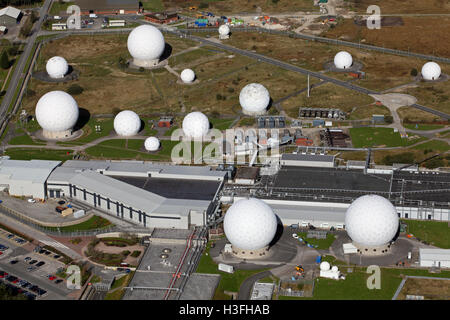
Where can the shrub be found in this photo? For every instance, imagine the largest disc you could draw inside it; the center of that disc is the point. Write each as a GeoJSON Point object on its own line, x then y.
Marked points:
{"type": "Point", "coordinates": [75, 89]}
{"type": "Point", "coordinates": [414, 72]}
{"type": "Point", "coordinates": [136, 253]}
{"type": "Point", "coordinates": [4, 60]}
{"type": "Point", "coordinates": [126, 253]}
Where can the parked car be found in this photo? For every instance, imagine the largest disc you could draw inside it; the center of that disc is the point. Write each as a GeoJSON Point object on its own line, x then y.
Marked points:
{"type": "Point", "coordinates": [29, 269]}
{"type": "Point", "coordinates": [32, 262]}
{"type": "Point", "coordinates": [40, 264]}
{"type": "Point", "coordinates": [27, 259]}
{"type": "Point", "coordinates": [295, 236]}
{"type": "Point", "coordinates": [58, 281]}
{"type": "Point", "coordinates": [51, 277]}
{"type": "Point", "coordinates": [13, 261]}
{"type": "Point", "coordinates": [10, 236]}
{"type": "Point", "coordinates": [31, 201]}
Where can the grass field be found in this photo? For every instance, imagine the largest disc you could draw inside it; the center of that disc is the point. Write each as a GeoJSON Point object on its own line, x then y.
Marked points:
{"type": "Point", "coordinates": [322, 244]}
{"type": "Point", "coordinates": [434, 232]}
{"type": "Point", "coordinates": [423, 126]}
{"type": "Point", "coordinates": [39, 153]}
{"type": "Point", "coordinates": [95, 222]}
{"type": "Point", "coordinates": [436, 145]}
{"type": "Point", "coordinates": [379, 137]}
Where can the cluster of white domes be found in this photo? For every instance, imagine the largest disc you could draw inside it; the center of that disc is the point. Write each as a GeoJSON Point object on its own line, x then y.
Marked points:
{"type": "Point", "coordinates": [343, 60]}
{"type": "Point", "coordinates": [145, 44]}
{"type": "Point", "coordinates": [250, 224]}
{"type": "Point", "coordinates": [224, 30]}
{"type": "Point", "coordinates": [371, 220]}
{"type": "Point", "coordinates": [127, 123]}
{"type": "Point", "coordinates": [151, 144]}
{"type": "Point", "coordinates": [195, 125]}
{"type": "Point", "coordinates": [431, 71]}
{"type": "Point", "coordinates": [57, 111]}
{"type": "Point", "coordinates": [254, 99]}
{"type": "Point", "coordinates": [57, 67]}
{"type": "Point", "coordinates": [187, 76]}
{"type": "Point", "coordinates": [325, 266]}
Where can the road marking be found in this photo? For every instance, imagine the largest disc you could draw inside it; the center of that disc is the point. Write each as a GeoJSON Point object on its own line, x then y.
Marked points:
{"type": "Point", "coordinates": [53, 244]}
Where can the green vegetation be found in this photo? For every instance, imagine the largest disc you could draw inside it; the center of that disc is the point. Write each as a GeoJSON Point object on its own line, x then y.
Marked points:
{"type": "Point", "coordinates": [120, 242]}
{"type": "Point", "coordinates": [153, 5]}
{"type": "Point", "coordinates": [321, 244]}
{"type": "Point", "coordinates": [93, 223]}
{"type": "Point", "coordinates": [23, 140]}
{"type": "Point", "coordinates": [433, 145]}
{"type": "Point", "coordinates": [39, 153]}
{"type": "Point", "coordinates": [107, 259]}
{"type": "Point", "coordinates": [6, 228]}
{"type": "Point", "coordinates": [59, 6]}
{"type": "Point", "coordinates": [379, 137]}
{"type": "Point", "coordinates": [433, 232]}
{"type": "Point", "coordinates": [4, 60]}
{"type": "Point", "coordinates": [423, 126]}
{"type": "Point", "coordinates": [136, 253]}
{"type": "Point", "coordinates": [9, 294]}
{"type": "Point", "coordinates": [221, 124]}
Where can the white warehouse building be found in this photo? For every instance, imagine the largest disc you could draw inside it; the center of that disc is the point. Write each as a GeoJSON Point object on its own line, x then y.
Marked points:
{"type": "Point", "coordinates": [434, 258]}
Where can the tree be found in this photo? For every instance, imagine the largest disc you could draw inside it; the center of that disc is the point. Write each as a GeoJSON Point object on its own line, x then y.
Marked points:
{"type": "Point", "coordinates": [4, 60]}
{"type": "Point", "coordinates": [414, 72]}
{"type": "Point", "coordinates": [75, 89]}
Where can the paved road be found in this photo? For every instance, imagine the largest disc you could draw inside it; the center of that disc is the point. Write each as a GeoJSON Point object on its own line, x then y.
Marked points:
{"type": "Point", "coordinates": [245, 289]}
{"type": "Point", "coordinates": [19, 70]}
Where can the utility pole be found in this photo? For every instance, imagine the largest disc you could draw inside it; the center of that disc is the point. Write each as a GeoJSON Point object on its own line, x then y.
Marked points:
{"type": "Point", "coordinates": [308, 85]}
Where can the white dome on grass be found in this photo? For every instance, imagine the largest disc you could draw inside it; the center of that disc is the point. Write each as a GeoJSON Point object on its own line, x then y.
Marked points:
{"type": "Point", "coordinates": [343, 60]}
{"type": "Point", "coordinates": [57, 67]}
{"type": "Point", "coordinates": [254, 99]}
{"type": "Point", "coordinates": [57, 111]}
{"type": "Point", "coordinates": [371, 220]}
{"type": "Point", "coordinates": [127, 123]}
{"type": "Point", "coordinates": [224, 30]}
{"type": "Point", "coordinates": [250, 224]}
{"type": "Point", "coordinates": [146, 43]}
{"type": "Point", "coordinates": [431, 71]}
{"type": "Point", "coordinates": [187, 76]}
{"type": "Point", "coordinates": [325, 266]}
{"type": "Point", "coordinates": [151, 144]}
{"type": "Point", "coordinates": [195, 125]}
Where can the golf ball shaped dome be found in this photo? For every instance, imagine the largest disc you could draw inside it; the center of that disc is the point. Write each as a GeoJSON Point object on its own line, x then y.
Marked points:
{"type": "Point", "coordinates": [371, 220]}
{"type": "Point", "coordinates": [343, 60]}
{"type": "Point", "coordinates": [224, 30]}
{"type": "Point", "coordinates": [195, 125]}
{"type": "Point", "coordinates": [57, 111]}
{"type": "Point", "coordinates": [431, 71]}
{"type": "Point", "coordinates": [254, 98]}
{"type": "Point", "coordinates": [127, 123]}
{"type": "Point", "coordinates": [151, 144]}
{"type": "Point", "coordinates": [146, 43]}
{"type": "Point", "coordinates": [250, 224]}
{"type": "Point", "coordinates": [57, 67]}
{"type": "Point", "coordinates": [187, 76]}
{"type": "Point", "coordinates": [325, 266]}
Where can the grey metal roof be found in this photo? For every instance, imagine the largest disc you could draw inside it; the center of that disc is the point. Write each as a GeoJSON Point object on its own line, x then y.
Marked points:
{"type": "Point", "coordinates": [33, 170]}
{"type": "Point", "coordinates": [307, 157]}
{"type": "Point", "coordinates": [305, 212]}
{"type": "Point", "coordinates": [10, 12]}
{"type": "Point", "coordinates": [434, 254]}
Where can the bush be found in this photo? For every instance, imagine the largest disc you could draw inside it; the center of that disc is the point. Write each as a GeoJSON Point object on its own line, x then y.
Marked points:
{"type": "Point", "coordinates": [136, 253]}
{"type": "Point", "coordinates": [13, 51]}
{"type": "Point", "coordinates": [126, 253]}
{"type": "Point", "coordinates": [141, 69]}
{"type": "Point", "coordinates": [406, 157]}
{"type": "Point", "coordinates": [203, 5]}
{"type": "Point", "coordinates": [75, 89]}
{"type": "Point", "coordinates": [434, 163]}
{"type": "Point", "coordinates": [414, 72]}
{"type": "Point", "coordinates": [4, 60]}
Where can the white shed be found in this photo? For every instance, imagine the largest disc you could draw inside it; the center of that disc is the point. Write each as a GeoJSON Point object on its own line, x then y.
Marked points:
{"type": "Point", "coordinates": [434, 258]}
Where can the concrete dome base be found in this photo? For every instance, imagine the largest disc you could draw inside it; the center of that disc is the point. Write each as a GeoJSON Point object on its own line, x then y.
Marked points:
{"type": "Point", "coordinates": [254, 113]}
{"type": "Point", "coordinates": [224, 36]}
{"type": "Point", "coordinates": [251, 254]}
{"type": "Point", "coordinates": [373, 250]}
{"type": "Point", "coordinates": [55, 135]}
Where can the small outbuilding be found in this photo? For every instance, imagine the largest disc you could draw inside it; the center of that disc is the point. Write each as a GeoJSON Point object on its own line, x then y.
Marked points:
{"type": "Point", "coordinates": [439, 258]}
{"type": "Point", "coordinates": [10, 16]}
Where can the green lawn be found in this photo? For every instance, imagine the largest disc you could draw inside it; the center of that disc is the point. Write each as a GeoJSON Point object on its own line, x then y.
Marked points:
{"type": "Point", "coordinates": [153, 5]}
{"type": "Point", "coordinates": [58, 8]}
{"type": "Point", "coordinates": [23, 140]}
{"type": "Point", "coordinates": [39, 153]}
{"type": "Point", "coordinates": [436, 145]}
{"type": "Point", "coordinates": [321, 243]}
{"type": "Point", "coordinates": [95, 222]}
{"type": "Point", "coordinates": [379, 137]}
{"type": "Point", "coordinates": [434, 232]}
{"type": "Point", "coordinates": [423, 126]}
{"type": "Point", "coordinates": [221, 124]}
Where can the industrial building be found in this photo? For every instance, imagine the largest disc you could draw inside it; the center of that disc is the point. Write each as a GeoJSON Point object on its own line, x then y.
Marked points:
{"type": "Point", "coordinates": [161, 17]}
{"type": "Point", "coordinates": [439, 258]}
{"type": "Point", "coordinates": [307, 160]}
{"type": "Point", "coordinates": [109, 6]}
{"type": "Point", "coordinates": [10, 16]}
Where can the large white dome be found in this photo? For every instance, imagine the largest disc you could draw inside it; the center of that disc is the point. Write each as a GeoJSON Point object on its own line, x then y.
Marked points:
{"type": "Point", "coordinates": [371, 220]}
{"type": "Point", "coordinates": [343, 60]}
{"type": "Point", "coordinates": [224, 30]}
{"type": "Point", "coordinates": [325, 266]}
{"type": "Point", "coordinates": [195, 125]}
{"type": "Point", "coordinates": [57, 111]}
{"type": "Point", "coordinates": [151, 144]}
{"type": "Point", "coordinates": [57, 67]}
{"type": "Point", "coordinates": [250, 224]}
{"type": "Point", "coordinates": [127, 123]}
{"type": "Point", "coordinates": [146, 43]}
{"type": "Point", "coordinates": [187, 75]}
{"type": "Point", "coordinates": [431, 71]}
{"type": "Point", "coordinates": [254, 98]}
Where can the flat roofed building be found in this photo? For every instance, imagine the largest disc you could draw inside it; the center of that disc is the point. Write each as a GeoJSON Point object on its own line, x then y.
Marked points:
{"type": "Point", "coordinates": [26, 178]}
{"type": "Point", "coordinates": [161, 17]}
{"type": "Point", "coordinates": [439, 258]}
{"type": "Point", "coordinates": [307, 160]}
{"type": "Point", "coordinates": [246, 175]}
{"type": "Point", "coordinates": [108, 6]}
{"type": "Point", "coordinates": [10, 16]}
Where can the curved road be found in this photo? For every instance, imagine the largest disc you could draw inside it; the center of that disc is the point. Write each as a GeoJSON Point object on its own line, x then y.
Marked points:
{"type": "Point", "coordinates": [246, 287]}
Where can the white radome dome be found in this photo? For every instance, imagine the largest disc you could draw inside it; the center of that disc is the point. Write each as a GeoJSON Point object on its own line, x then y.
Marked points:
{"type": "Point", "coordinates": [431, 71]}
{"type": "Point", "coordinates": [371, 220]}
{"type": "Point", "coordinates": [254, 98]}
{"type": "Point", "coordinates": [335, 269]}
{"type": "Point", "coordinates": [250, 224]}
{"type": "Point", "coordinates": [224, 30]}
{"type": "Point", "coordinates": [127, 123]}
{"type": "Point", "coordinates": [57, 111]}
{"type": "Point", "coordinates": [151, 144]}
{"type": "Point", "coordinates": [57, 67]}
{"type": "Point", "coordinates": [325, 266]}
{"type": "Point", "coordinates": [146, 43]}
{"type": "Point", "coordinates": [187, 75]}
{"type": "Point", "coordinates": [343, 60]}
{"type": "Point", "coordinates": [195, 125]}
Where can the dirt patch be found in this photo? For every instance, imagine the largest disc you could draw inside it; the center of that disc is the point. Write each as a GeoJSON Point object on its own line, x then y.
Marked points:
{"type": "Point", "coordinates": [385, 22]}
{"type": "Point", "coordinates": [431, 289]}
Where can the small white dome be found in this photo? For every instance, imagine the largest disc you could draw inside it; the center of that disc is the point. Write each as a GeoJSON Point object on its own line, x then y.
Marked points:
{"type": "Point", "coordinates": [431, 71]}
{"type": "Point", "coordinates": [334, 269]}
{"type": "Point", "coordinates": [57, 111]}
{"type": "Point", "coordinates": [151, 144]}
{"type": "Point", "coordinates": [371, 220]}
{"type": "Point", "coordinates": [187, 75]}
{"type": "Point", "coordinates": [127, 123]}
{"type": "Point", "coordinates": [224, 30]}
{"type": "Point", "coordinates": [343, 60]}
{"type": "Point", "coordinates": [146, 43]}
{"type": "Point", "coordinates": [325, 266]}
{"type": "Point", "coordinates": [250, 224]}
{"type": "Point", "coordinates": [57, 67]}
{"type": "Point", "coordinates": [254, 98]}
{"type": "Point", "coordinates": [195, 125]}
